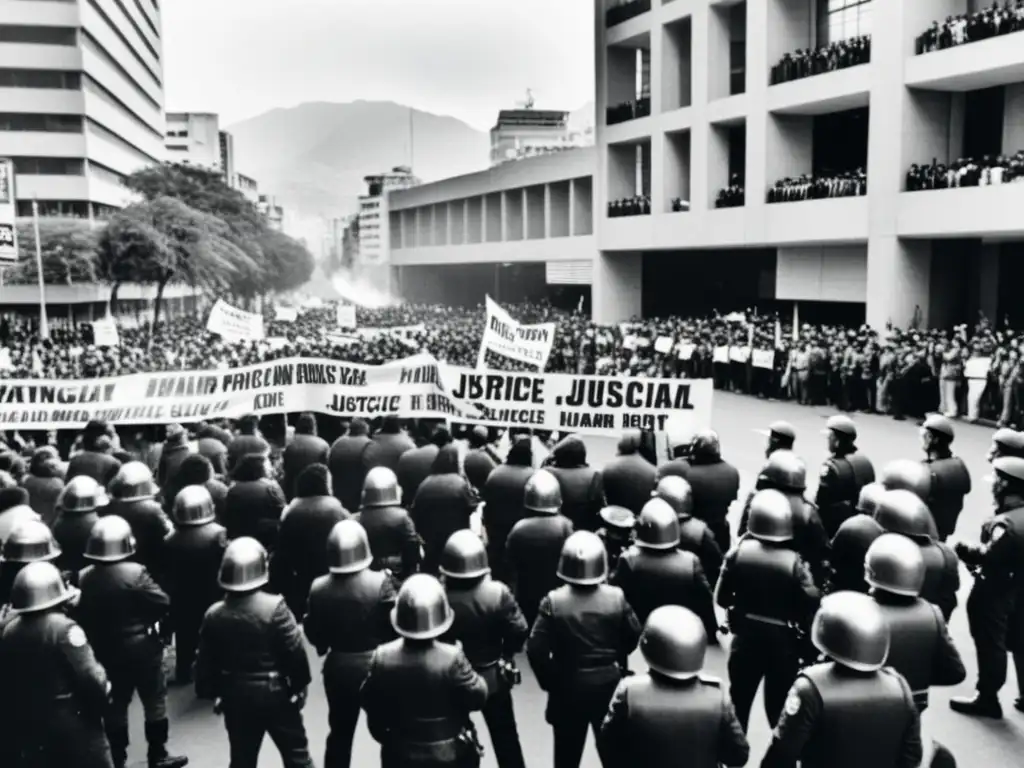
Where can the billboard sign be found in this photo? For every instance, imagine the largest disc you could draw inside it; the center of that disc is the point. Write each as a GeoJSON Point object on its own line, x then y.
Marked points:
{"type": "Point", "coordinates": [8, 211]}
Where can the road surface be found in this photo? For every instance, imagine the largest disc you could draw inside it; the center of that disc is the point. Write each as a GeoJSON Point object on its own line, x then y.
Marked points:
{"type": "Point", "coordinates": [976, 743]}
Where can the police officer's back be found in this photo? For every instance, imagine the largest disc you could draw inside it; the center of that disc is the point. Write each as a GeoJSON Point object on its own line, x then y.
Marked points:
{"type": "Point", "coordinates": [347, 618]}
{"type": "Point", "coordinates": [616, 532]}
{"type": "Point", "coordinates": [694, 534]}
{"type": "Point", "coordinates": [851, 711]}
{"type": "Point", "coordinates": [582, 487]}
{"type": "Point", "coordinates": [443, 505]}
{"type": "Point", "coordinates": [194, 551]}
{"type": "Point", "coordinates": [781, 437]}
{"type": "Point", "coordinates": [419, 692]}
{"type": "Point", "coordinates": [629, 478]}
{"type": "Point", "coordinates": [119, 609]}
{"type": "Point", "coordinates": [78, 509]}
{"type": "Point", "coordinates": [768, 590]}
{"type": "Point", "coordinates": [920, 648]}
{"type": "Point", "coordinates": [534, 545]}
{"type": "Point", "coordinates": [655, 572]}
{"type": "Point", "coordinates": [415, 466]}
{"type": "Point", "coordinates": [252, 661]}
{"type": "Point", "coordinates": [715, 483]}
{"type": "Point", "coordinates": [580, 645]}
{"type": "Point", "coordinates": [31, 541]}
{"type": "Point", "coordinates": [388, 526]}
{"type": "Point", "coordinates": [54, 694]}
{"type": "Point", "coordinates": [348, 465]}
{"type": "Point", "coordinates": [673, 710]}
{"type": "Point", "coordinates": [503, 494]}
{"type": "Point", "coordinates": [134, 499]}
{"type": "Point", "coordinates": [492, 630]}
{"type": "Point", "coordinates": [850, 544]}
{"type": "Point", "coordinates": [388, 445]}
{"type": "Point", "coordinates": [951, 481]}
{"type": "Point", "coordinates": [843, 474]}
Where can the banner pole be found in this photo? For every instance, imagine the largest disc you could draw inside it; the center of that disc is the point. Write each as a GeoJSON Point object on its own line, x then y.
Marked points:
{"type": "Point", "coordinates": [44, 324]}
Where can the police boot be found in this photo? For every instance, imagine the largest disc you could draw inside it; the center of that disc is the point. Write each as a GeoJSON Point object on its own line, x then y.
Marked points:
{"type": "Point", "coordinates": [156, 736]}
{"type": "Point", "coordinates": [117, 737]}
{"type": "Point", "coordinates": [978, 705]}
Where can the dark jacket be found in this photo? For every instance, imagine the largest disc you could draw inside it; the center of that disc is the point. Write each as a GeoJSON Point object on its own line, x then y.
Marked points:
{"type": "Point", "coordinates": [150, 526]}
{"type": "Point", "coordinates": [478, 465]}
{"type": "Point", "coordinates": [193, 558]}
{"type": "Point", "coordinates": [170, 461]}
{"type": "Point", "coordinates": [386, 448]}
{"type": "Point", "coordinates": [582, 487]}
{"type": "Point", "coordinates": [393, 539]}
{"type": "Point", "coordinates": [413, 468]}
{"type": "Point", "coordinates": [118, 608]}
{"type": "Point", "coordinates": [628, 482]}
{"type": "Point", "coordinates": [348, 469]}
{"type": "Point", "coordinates": [241, 445]}
{"type": "Point", "coordinates": [101, 467]}
{"type": "Point", "coordinates": [443, 505]}
{"type": "Point", "coordinates": [302, 451]}
{"type": "Point", "coordinates": [44, 486]}
{"type": "Point", "coordinates": [253, 508]}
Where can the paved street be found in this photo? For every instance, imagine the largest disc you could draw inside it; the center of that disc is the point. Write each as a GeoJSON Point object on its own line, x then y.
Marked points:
{"type": "Point", "coordinates": [195, 730]}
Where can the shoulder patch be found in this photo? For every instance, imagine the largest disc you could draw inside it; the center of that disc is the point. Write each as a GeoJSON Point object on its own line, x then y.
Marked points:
{"type": "Point", "coordinates": [792, 703]}
{"type": "Point", "coordinates": [997, 533]}
{"type": "Point", "coordinates": [76, 637]}
{"type": "Point", "coordinates": [825, 469]}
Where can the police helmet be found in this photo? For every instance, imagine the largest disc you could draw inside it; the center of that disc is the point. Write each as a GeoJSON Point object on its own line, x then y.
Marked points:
{"type": "Point", "coordinates": [674, 642]}
{"type": "Point", "coordinates": [380, 489]}
{"type": "Point", "coordinates": [785, 471]}
{"type": "Point", "coordinates": [110, 540]}
{"type": "Point", "coordinates": [771, 517]}
{"type": "Point", "coordinates": [903, 512]}
{"type": "Point", "coordinates": [907, 475]}
{"type": "Point", "coordinates": [245, 566]}
{"type": "Point", "coordinates": [193, 506]}
{"type": "Point", "coordinates": [1010, 468]}
{"type": "Point", "coordinates": [348, 548]}
{"type": "Point", "coordinates": [464, 556]}
{"type": "Point", "coordinates": [895, 564]}
{"type": "Point", "coordinates": [584, 560]}
{"type": "Point", "coordinates": [617, 517]}
{"type": "Point", "coordinates": [841, 425]}
{"type": "Point", "coordinates": [543, 493]}
{"type": "Point", "coordinates": [82, 494]}
{"type": "Point", "coordinates": [657, 527]}
{"type": "Point", "coordinates": [939, 425]}
{"type": "Point", "coordinates": [782, 432]}
{"type": "Point", "coordinates": [38, 587]}
{"type": "Point", "coordinates": [133, 482]}
{"type": "Point", "coordinates": [30, 541]}
{"type": "Point", "coordinates": [421, 610]}
{"type": "Point", "coordinates": [870, 495]}
{"type": "Point", "coordinates": [678, 493]}
{"type": "Point", "coordinates": [1009, 442]}
{"type": "Point", "coordinates": [850, 628]}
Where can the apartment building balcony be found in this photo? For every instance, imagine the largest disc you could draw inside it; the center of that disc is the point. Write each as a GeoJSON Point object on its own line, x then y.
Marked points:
{"type": "Point", "coordinates": [991, 211]}
{"type": "Point", "coordinates": [833, 91]}
{"type": "Point", "coordinates": [969, 67]}
{"type": "Point", "coordinates": [621, 12]}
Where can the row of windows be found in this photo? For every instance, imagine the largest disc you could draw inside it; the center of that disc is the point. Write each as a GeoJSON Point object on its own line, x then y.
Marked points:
{"type": "Point", "coordinates": [92, 45]}
{"type": "Point", "coordinates": [102, 172]}
{"type": "Point", "coordinates": [18, 121]}
{"type": "Point", "coordinates": [49, 166]}
{"type": "Point", "coordinates": [77, 209]}
{"type": "Point", "coordinates": [843, 19]}
{"type": "Point", "coordinates": [149, 21]}
{"type": "Point", "coordinates": [36, 35]}
{"type": "Point", "coordinates": [138, 29]}
{"type": "Point", "coordinates": [95, 88]}
{"type": "Point", "coordinates": [127, 146]}
{"type": "Point", "coordinates": [120, 35]}
{"type": "Point", "coordinates": [40, 78]}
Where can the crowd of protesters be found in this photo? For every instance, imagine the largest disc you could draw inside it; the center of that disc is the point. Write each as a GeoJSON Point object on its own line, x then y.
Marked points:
{"type": "Point", "coordinates": [638, 205]}
{"type": "Point", "coordinates": [998, 19]}
{"type": "Point", "coordinates": [808, 62]}
{"type": "Point", "coordinates": [628, 110]}
{"type": "Point", "coordinates": [899, 372]}
{"type": "Point", "coordinates": [811, 187]}
{"type": "Point", "coordinates": [988, 171]}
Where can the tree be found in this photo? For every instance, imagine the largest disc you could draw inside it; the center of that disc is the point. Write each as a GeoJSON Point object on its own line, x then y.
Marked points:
{"type": "Point", "coordinates": [68, 251]}
{"type": "Point", "coordinates": [289, 264]}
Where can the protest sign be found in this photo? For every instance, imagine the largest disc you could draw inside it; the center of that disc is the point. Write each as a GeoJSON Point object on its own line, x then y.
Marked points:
{"type": "Point", "coordinates": [233, 324]}
{"type": "Point", "coordinates": [285, 314]}
{"type": "Point", "coordinates": [104, 333]}
{"type": "Point", "coordinates": [764, 358]}
{"type": "Point", "coordinates": [506, 336]}
{"type": "Point", "coordinates": [721, 355]}
{"type": "Point", "coordinates": [346, 316]}
{"type": "Point", "coordinates": [663, 345]}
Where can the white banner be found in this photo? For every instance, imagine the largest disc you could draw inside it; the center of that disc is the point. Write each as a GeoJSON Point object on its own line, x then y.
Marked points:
{"type": "Point", "coordinates": [233, 324]}
{"type": "Point", "coordinates": [8, 212]}
{"type": "Point", "coordinates": [346, 316]}
{"type": "Point", "coordinates": [506, 336]}
{"type": "Point", "coordinates": [285, 314]}
{"type": "Point", "coordinates": [104, 333]}
{"type": "Point", "coordinates": [403, 331]}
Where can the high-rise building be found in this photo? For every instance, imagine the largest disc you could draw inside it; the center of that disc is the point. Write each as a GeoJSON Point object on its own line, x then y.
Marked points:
{"type": "Point", "coordinates": [248, 187]}
{"type": "Point", "coordinates": [373, 215]}
{"type": "Point", "coordinates": [195, 138]}
{"type": "Point", "coordinates": [81, 100]}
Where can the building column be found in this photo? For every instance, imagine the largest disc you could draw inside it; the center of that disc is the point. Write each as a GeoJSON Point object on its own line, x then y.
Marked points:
{"type": "Point", "coordinates": [616, 287]}
{"type": "Point", "coordinates": [572, 207]}
{"type": "Point", "coordinates": [988, 282]}
{"type": "Point", "coordinates": [547, 211]}
{"type": "Point", "coordinates": [899, 281]}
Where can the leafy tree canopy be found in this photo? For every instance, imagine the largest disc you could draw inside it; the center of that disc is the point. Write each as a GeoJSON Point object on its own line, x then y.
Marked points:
{"type": "Point", "coordinates": [68, 252]}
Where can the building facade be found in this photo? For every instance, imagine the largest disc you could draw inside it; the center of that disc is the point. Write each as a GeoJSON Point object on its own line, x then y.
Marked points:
{"type": "Point", "coordinates": [522, 133]}
{"type": "Point", "coordinates": [370, 256]}
{"type": "Point", "coordinates": [708, 109]}
{"type": "Point", "coordinates": [274, 213]}
{"type": "Point", "coordinates": [248, 187]}
{"type": "Point", "coordinates": [81, 100]}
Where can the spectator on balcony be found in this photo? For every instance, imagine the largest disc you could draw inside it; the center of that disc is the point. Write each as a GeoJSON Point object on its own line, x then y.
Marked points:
{"type": "Point", "coordinates": [807, 62]}
{"type": "Point", "coordinates": [679, 205]}
{"type": "Point", "coordinates": [638, 205]}
{"type": "Point", "coordinates": [623, 10]}
{"type": "Point", "coordinates": [732, 196]}
{"type": "Point", "coordinates": [988, 171]}
{"type": "Point", "coordinates": [810, 187]}
{"type": "Point", "coordinates": [628, 110]}
{"type": "Point", "coordinates": [965, 28]}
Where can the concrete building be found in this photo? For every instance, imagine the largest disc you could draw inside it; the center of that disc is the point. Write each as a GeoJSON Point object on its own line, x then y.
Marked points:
{"type": "Point", "coordinates": [195, 138]}
{"type": "Point", "coordinates": [521, 133]}
{"type": "Point", "coordinates": [712, 113]}
{"type": "Point", "coordinates": [274, 213]}
{"type": "Point", "coordinates": [81, 100]}
{"type": "Point", "coordinates": [248, 187]}
{"type": "Point", "coordinates": [372, 237]}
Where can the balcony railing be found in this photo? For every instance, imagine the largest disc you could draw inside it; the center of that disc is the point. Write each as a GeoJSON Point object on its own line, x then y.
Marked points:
{"type": "Point", "coordinates": [625, 11]}
{"type": "Point", "coordinates": [628, 110]}
{"type": "Point", "coordinates": [986, 172]}
{"type": "Point", "coordinates": [971, 28]}
{"type": "Point", "coordinates": [828, 58]}
{"type": "Point", "coordinates": [808, 187]}
{"type": "Point", "coordinates": [638, 205]}
{"type": "Point", "coordinates": [733, 196]}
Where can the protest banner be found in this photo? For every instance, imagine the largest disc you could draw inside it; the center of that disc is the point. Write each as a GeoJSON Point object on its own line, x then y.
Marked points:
{"type": "Point", "coordinates": [346, 316]}
{"type": "Point", "coordinates": [506, 336]}
{"type": "Point", "coordinates": [104, 333]}
{"type": "Point", "coordinates": [233, 324]}
{"type": "Point", "coordinates": [600, 405]}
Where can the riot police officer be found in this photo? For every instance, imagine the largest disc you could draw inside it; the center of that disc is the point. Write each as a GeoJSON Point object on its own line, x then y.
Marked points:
{"type": "Point", "coordinates": [389, 527]}
{"type": "Point", "coordinates": [904, 513]}
{"type": "Point", "coordinates": [951, 481]}
{"type": "Point", "coordinates": [54, 694]}
{"type": "Point", "coordinates": [920, 649]}
{"type": "Point", "coordinates": [31, 541]}
{"type": "Point", "coordinates": [252, 662]}
{"type": "Point", "coordinates": [785, 472]}
{"type": "Point", "coordinates": [843, 474]}
{"type": "Point", "coordinates": [907, 475]}
{"type": "Point", "coordinates": [193, 554]}
{"type": "Point", "coordinates": [629, 478]}
{"type": "Point", "coordinates": [781, 437]}
{"type": "Point", "coordinates": [768, 590]}
{"type": "Point", "coordinates": [656, 572]}
{"type": "Point", "coordinates": [134, 494]}
{"type": "Point", "coordinates": [348, 616]}
{"type": "Point", "coordinates": [534, 544]}
{"type": "Point", "coordinates": [1006, 442]}
{"type": "Point", "coordinates": [715, 484]}
{"type": "Point", "coordinates": [419, 692]}
{"type": "Point", "coordinates": [492, 630]}
{"type": "Point", "coordinates": [673, 710]}
{"type": "Point", "coordinates": [850, 544]}
{"type": "Point", "coordinates": [995, 601]}
{"type": "Point", "coordinates": [616, 533]}
{"type": "Point", "coordinates": [120, 609]}
{"type": "Point", "coordinates": [580, 645]}
{"type": "Point", "coordinates": [850, 711]}
{"type": "Point", "coordinates": [694, 535]}
{"type": "Point", "coordinates": [78, 507]}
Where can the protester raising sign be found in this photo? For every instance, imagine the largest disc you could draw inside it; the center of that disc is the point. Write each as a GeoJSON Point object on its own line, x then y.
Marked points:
{"type": "Point", "coordinates": [104, 333]}
{"type": "Point", "coordinates": [346, 316]}
{"type": "Point", "coordinates": [233, 324]}
{"type": "Point", "coordinates": [506, 336]}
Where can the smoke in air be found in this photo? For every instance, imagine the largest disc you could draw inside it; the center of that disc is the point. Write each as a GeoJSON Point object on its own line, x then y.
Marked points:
{"type": "Point", "coordinates": [361, 292]}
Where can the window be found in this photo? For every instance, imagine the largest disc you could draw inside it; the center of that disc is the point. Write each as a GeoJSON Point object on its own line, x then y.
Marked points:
{"type": "Point", "coordinates": [40, 78]}
{"type": "Point", "coordinates": [49, 166]}
{"type": "Point", "coordinates": [843, 19]}
{"type": "Point", "coordinates": [24, 33]}
{"type": "Point", "coordinates": [116, 29]}
{"type": "Point", "coordinates": [78, 209]}
{"type": "Point", "coordinates": [42, 123]}
{"type": "Point", "coordinates": [149, 22]}
{"type": "Point", "coordinates": [98, 171]}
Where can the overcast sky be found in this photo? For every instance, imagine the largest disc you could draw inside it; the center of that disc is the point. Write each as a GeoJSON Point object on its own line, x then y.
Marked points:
{"type": "Point", "coordinates": [466, 58]}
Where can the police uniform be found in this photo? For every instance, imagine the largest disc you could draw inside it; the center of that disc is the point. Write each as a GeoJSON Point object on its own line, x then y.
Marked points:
{"type": "Point", "coordinates": [629, 478]}
{"type": "Point", "coordinates": [252, 661]}
{"type": "Point", "coordinates": [134, 493]}
{"type": "Point", "coordinates": [616, 533]}
{"type": "Point", "coordinates": [579, 646]}
{"type": "Point", "coordinates": [850, 712]}
{"type": "Point", "coordinates": [419, 692]}
{"type": "Point", "coordinates": [492, 630]}
{"type": "Point", "coordinates": [696, 536]}
{"type": "Point", "coordinates": [770, 595]}
{"type": "Point", "coordinates": [847, 551]}
{"type": "Point", "coordinates": [54, 692]}
{"type": "Point", "coordinates": [951, 482]}
{"type": "Point", "coordinates": [347, 617]}
{"type": "Point", "coordinates": [392, 534]}
{"type": "Point", "coordinates": [716, 485]}
{"type": "Point", "coordinates": [842, 477]}
{"type": "Point", "coordinates": [672, 710]}
{"type": "Point", "coordinates": [78, 506]}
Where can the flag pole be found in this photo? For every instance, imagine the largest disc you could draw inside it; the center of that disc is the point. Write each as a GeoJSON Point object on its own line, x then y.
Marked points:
{"type": "Point", "coordinates": [44, 325]}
